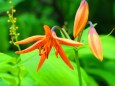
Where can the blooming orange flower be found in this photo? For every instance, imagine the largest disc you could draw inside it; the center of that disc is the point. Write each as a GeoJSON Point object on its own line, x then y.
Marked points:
{"type": "Point", "coordinates": [81, 18]}
{"type": "Point", "coordinates": [45, 43]}
{"type": "Point", "coordinates": [95, 43]}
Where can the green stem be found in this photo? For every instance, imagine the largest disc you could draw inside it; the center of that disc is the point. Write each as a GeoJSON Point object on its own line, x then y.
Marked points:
{"type": "Point", "coordinates": [19, 78]}
{"type": "Point", "coordinates": [65, 33]}
{"type": "Point", "coordinates": [17, 44]}
{"type": "Point", "coordinates": [18, 59]}
{"type": "Point", "coordinates": [54, 27]}
{"type": "Point", "coordinates": [79, 36]}
{"type": "Point", "coordinates": [62, 31]}
{"type": "Point", "coordinates": [78, 66]}
{"type": "Point", "coordinates": [16, 39]}
{"type": "Point", "coordinates": [19, 68]}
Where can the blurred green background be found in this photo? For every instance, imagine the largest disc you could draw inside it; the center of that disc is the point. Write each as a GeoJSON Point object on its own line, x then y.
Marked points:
{"type": "Point", "coordinates": [32, 15]}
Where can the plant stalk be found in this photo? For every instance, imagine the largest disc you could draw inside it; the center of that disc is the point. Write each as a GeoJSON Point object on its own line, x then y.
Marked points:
{"type": "Point", "coordinates": [78, 66]}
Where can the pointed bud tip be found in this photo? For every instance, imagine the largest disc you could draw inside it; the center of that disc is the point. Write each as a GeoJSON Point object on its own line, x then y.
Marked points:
{"type": "Point", "coordinates": [91, 25]}
{"type": "Point", "coordinates": [15, 43]}
{"type": "Point", "coordinates": [45, 26]}
{"type": "Point", "coordinates": [72, 68]}
{"type": "Point", "coordinates": [37, 70]}
{"type": "Point", "coordinates": [17, 52]}
{"type": "Point", "coordinates": [84, 0]}
{"type": "Point", "coordinates": [100, 58]}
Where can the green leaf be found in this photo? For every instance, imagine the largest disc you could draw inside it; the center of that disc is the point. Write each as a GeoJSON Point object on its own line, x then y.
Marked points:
{"type": "Point", "coordinates": [109, 66]}
{"type": "Point", "coordinates": [92, 82]}
{"type": "Point", "coordinates": [9, 79]}
{"type": "Point", "coordinates": [105, 75]}
{"type": "Point", "coordinates": [9, 68]}
{"type": "Point", "coordinates": [108, 45]}
{"type": "Point", "coordinates": [28, 81]}
{"type": "Point", "coordinates": [54, 71]}
{"type": "Point", "coordinates": [6, 59]}
{"type": "Point", "coordinates": [3, 83]}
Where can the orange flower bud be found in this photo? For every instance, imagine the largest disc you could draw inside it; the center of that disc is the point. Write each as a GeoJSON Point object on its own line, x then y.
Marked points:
{"type": "Point", "coordinates": [95, 43]}
{"type": "Point", "coordinates": [81, 18]}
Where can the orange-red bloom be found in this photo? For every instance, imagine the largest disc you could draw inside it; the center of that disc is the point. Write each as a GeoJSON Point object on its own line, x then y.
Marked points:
{"type": "Point", "coordinates": [95, 43]}
{"type": "Point", "coordinates": [81, 18]}
{"type": "Point", "coordinates": [45, 43]}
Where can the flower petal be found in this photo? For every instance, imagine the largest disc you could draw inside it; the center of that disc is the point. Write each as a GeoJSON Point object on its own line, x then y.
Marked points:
{"type": "Point", "coordinates": [33, 47]}
{"type": "Point", "coordinates": [42, 59]}
{"type": "Point", "coordinates": [47, 31]}
{"type": "Point", "coordinates": [68, 42]}
{"type": "Point", "coordinates": [30, 39]}
{"type": "Point", "coordinates": [62, 54]}
{"type": "Point", "coordinates": [47, 47]}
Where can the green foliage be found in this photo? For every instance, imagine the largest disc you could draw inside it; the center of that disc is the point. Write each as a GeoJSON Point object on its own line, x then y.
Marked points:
{"type": "Point", "coordinates": [4, 43]}
{"type": "Point", "coordinates": [4, 4]}
{"type": "Point", "coordinates": [54, 71]}
{"type": "Point", "coordinates": [108, 46]}
{"type": "Point", "coordinates": [29, 24]}
{"type": "Point", "coordinates": [103, 70]}
{"type": "Point", "coordinates": [31, 16]}
{"type": "Point", "coordinates": [8, 72]}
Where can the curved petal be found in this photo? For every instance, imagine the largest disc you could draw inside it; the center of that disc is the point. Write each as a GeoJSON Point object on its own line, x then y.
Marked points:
{"type": "Point", "coordinates": [68, 42]}
{"type": "Point", "coordinates": [30, 39]}
{"type": "Point", "coordinates": [62, 54]}
{"type": "Point", "coordinates": [47, 31]}
{"type": "Point", "coordinates": [33, 47]}
{"type": "Point", "coordinates": [42, 59]}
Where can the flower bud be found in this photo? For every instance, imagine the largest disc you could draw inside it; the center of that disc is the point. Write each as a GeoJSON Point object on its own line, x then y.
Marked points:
{"type": "Point", "coordinates": [95, 43]}
{"type": "Point", "coordinates": [81, 18]}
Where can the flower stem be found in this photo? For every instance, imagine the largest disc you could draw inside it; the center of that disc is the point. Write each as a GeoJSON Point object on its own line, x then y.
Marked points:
{"type": "Point", "coordinates": [19, 78]}
{"type": "Point", "coordinates": [54, 27]}
{"type": "Point", "coordinates": [16, 39]}
{"type": "Point", "coordinates": [14, 36]}
{"type": "Point", "coordinates": [79, 36]}
{"type": "Point", "coordinates": [19, 68]}
{"type": "Point", "coordinates": [62, 31]}
{"type": "Point", "coordinates": [78, 66]}
{"type": "Point", "coordinates": [17, 45]}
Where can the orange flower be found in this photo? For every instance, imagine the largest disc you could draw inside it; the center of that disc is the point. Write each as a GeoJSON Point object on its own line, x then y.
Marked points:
{"type": "Point", "coordinates": [81, 18]}
{"type": "Point", "coordinates": [95, 43]}
{"type": "Point", "coordinates": [45, 43]}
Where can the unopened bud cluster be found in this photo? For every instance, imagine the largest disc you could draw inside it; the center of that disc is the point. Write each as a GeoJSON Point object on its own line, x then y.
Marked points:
{"type": "Point", "coordinates": [13, 27]}
{"type": "Point", "coordinates": [81, 19]}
